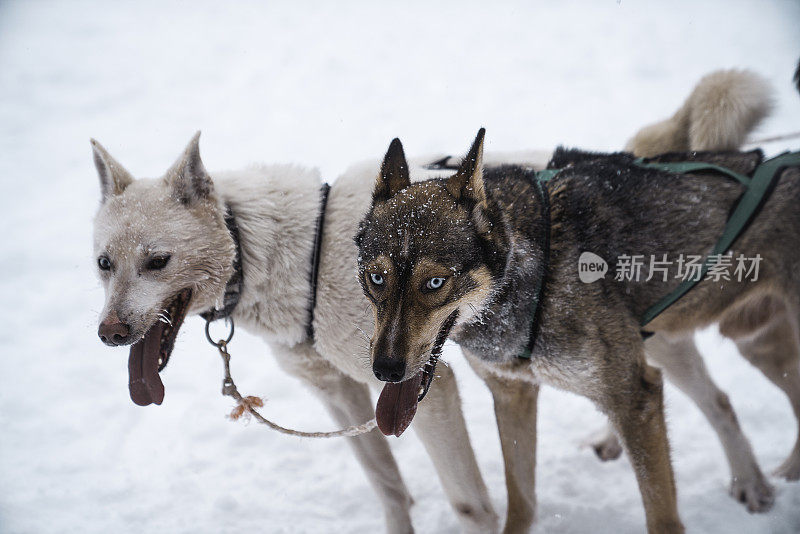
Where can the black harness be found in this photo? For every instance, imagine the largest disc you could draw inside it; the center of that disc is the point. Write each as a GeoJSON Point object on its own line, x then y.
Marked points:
{"type": "Point", "coordinates": [233, 289]}
{"type": "Point", "coordinates": [326, 189]}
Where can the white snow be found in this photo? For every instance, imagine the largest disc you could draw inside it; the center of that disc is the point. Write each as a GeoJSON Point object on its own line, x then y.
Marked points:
{"type": "Point", "coordinates": [324, 84]}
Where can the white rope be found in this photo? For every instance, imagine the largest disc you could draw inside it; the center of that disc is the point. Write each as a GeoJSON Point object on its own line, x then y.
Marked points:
{"type": "Point", "coordinates": [247, 406]}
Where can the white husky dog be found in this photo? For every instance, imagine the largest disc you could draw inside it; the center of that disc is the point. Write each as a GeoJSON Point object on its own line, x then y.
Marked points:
{"type": "Point", "coordinates": [172, 246]}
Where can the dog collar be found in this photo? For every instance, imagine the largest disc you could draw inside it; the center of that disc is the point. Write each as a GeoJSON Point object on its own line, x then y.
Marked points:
{"type": "Point", "coordinates": [233, 289]}
{"type": "Point", "coordinates": [325, 190]}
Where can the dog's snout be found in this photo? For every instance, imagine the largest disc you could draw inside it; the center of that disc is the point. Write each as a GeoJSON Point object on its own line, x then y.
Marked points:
{"type": "Point", "coordinates": [389, 369]}
{"type": "Point", "coordinates": [112, 331]}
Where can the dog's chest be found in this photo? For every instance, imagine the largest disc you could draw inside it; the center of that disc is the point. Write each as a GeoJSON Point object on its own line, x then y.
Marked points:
{"type": "Point", "coordinates": [501, 331]}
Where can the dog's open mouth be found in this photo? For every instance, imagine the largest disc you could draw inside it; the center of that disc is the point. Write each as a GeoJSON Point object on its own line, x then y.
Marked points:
{"type": "Point", "coordinates": [150, 354]}
{"type": "Point", "coordinates": [398, 401]}
{"type": "Point", "coordinates": [397, 404]}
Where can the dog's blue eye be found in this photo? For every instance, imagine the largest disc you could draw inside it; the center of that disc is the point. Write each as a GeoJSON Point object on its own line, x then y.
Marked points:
{"type": "Point", "coordinates": [376, 278]}
{"type": "Point", "coordinates": [104, 263]}
{"type": "Point", "coordinates": [435, 283]}
{"type": "Point", "coordinates": [158, 262]}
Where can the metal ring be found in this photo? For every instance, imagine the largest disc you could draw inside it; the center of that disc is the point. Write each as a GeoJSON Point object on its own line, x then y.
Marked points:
{"type": "Point", "coordinates": [220, 342]}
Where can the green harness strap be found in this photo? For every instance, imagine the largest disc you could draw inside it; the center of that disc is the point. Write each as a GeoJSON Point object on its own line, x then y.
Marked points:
{"type": "Point", "coordinates": [545, 175]}
{"type": "Point", "coordinates": [749, 204]}
{"type": "Point", "coordinates": [540, 179]}
{"type": "Point", "coordinates": [745, 210]}
{"type": "Point", "coordinates": [685, 167]}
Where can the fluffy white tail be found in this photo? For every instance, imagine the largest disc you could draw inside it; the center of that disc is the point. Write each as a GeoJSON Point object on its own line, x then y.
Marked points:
{"type": "Point", "coordinates": [722, 110]}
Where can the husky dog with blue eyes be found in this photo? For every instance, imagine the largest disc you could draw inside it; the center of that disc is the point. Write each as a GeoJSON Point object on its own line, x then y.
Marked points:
{"type": "Point", "coordinates": [489, 257]}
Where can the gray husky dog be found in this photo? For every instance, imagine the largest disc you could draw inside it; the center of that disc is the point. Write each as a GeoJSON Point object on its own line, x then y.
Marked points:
{"type": "Point", "coordinates": [165, 249]}
{"type": "Point", "coordinates": [490, 258]}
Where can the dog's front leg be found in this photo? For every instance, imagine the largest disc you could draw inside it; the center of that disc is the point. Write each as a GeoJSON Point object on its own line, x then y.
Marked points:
{"type": "Point", "coordinates": [634, 400]}
{"type": "Point", "coordinates": [440, 425]}
{"type": "Point", "coordinates": [515, 403]}
{"type": "Point", "coordinates": [349, 403]}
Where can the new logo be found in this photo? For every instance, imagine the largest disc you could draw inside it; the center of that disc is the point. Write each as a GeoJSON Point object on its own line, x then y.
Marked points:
{"type": "Point", "coordinates": [591, 267]}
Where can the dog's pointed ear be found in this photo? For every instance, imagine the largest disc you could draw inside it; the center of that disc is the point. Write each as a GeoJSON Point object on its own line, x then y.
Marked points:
{"type": "Point", "coordinates": [188, 177]}
{"type": "Point", "coordinates": [467, 182]}
{"type": "Point", "coordinates": [394, 174]}
{"type": "Point", "coordinates": [113, 176]}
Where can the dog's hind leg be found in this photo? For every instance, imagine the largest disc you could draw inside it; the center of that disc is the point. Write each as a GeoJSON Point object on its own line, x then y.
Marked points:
{"type": "Point", "coordinates": [349, 403]}
{"type": "Point", "coordinates": [766, 334]}
{"type": "Point", "coordinates": [515, 404]}
{"type": "Point", "coordinates": [440, 425]}
{"type": "Point", "coordinates": [684, 367]}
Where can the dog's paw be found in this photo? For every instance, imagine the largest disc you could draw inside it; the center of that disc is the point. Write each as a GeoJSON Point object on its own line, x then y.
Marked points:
{"type": "Point", "coordinates": [479, 520]}
{"type": "Point", "coordinates": [607, 448]}
{"type": "Point", "coordinates": [789, 469]}
{"type": "Point", "coordinates": [755, 493]}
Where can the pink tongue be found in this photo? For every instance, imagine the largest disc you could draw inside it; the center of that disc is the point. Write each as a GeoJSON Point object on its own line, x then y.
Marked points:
{"type": "Point", "coordinates": [397, 405]}
{"type": "Point", "coordinates": [143, 381]}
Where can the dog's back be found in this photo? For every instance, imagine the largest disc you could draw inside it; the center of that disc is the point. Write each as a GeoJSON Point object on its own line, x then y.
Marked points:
{"type": "Point", "coordinates": [609, 205]}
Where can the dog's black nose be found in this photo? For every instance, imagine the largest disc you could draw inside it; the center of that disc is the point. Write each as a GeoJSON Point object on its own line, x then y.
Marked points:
{"type": "Point", "coordinates": [112, 331]}
{"type": "Point", "coordinates": [389, 370]}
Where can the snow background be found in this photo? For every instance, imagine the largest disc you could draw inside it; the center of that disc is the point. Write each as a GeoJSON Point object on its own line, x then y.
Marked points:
{"type": "Point", "coordinates": [324, 84]}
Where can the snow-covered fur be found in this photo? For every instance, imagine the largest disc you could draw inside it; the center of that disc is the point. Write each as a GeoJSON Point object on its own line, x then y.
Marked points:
{"type": "Point", "coordinates": [179, 215]}
{"type": "Point", "coordinates": [723, 108]}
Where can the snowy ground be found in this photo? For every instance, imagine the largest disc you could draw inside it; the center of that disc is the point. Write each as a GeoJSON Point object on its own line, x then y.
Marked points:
{"type": "Point", "coordinates": [323, 84]}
